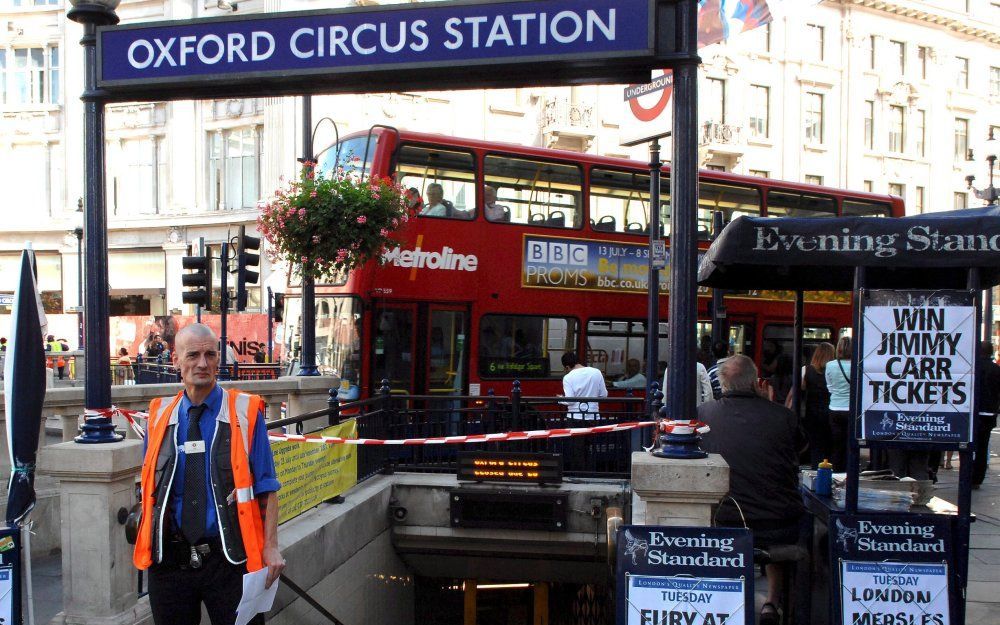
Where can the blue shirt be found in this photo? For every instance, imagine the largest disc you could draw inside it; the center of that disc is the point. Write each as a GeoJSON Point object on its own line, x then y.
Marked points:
{"type": "Point", "coordinates": [261, 461]}
{"type": "Point", "coordinates": [839, 384]}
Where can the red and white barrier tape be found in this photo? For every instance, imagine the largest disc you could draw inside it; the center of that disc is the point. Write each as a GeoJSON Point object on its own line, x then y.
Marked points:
{"type": "Point", "coordinates": [130, 416]}
{"type": "Point", "coordinates": [684, 427]}
{"type": "Point", "coordinates": [468, 439]}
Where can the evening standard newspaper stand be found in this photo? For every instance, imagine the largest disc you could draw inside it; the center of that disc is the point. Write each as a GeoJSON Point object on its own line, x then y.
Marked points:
{"type": "Point", "coordinates": [917, 316]}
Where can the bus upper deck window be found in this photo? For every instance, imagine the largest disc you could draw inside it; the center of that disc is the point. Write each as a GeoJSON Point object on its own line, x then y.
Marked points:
{"type": "Point", "coordinates": [859, 208]}
{"type": "Point", "coordinates": [536, 193]}
{"type": "Point", "coordinates": [733, 200]}
{"type": "Point", "coordinates": [438, 182]}
{"type": "Point", "coordinates": [619, 202]}
{"type": "Point", "coordinates": [798, 204]}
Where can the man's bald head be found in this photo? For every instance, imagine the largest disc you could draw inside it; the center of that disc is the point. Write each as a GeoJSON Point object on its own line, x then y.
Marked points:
{"type": "Point", "coordinates": [737, 373]}
{"type": "Point", "coordinates": [199, 330]}
{"type": "Point", "coordinates": [196, 356]}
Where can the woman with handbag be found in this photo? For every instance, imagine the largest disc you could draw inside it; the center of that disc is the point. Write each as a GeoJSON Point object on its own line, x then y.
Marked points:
{"type": "Point", "coordinates": [838, 382]}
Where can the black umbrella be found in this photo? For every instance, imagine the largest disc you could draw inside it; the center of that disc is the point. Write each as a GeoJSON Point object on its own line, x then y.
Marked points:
{"type": "Point", "coordinates": [24, 390]}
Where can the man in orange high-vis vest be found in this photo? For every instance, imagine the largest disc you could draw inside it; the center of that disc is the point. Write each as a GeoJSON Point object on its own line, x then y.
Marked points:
{"type": "Point", "coordinates": [209, 493]}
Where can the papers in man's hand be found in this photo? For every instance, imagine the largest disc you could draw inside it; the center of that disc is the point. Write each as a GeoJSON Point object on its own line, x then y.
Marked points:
{"type": "Point", "coordinates": [256, 598]}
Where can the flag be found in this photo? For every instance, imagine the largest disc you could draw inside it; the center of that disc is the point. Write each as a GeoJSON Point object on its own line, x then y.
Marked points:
{"type": "Point", "coordinates": [719, 20]}
{"type": "Point", "coordinates": [24, 389]}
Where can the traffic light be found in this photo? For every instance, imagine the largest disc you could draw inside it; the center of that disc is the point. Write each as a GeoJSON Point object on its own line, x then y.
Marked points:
{"type": "Point", "coordinates": [200, 279]}
{"type": "Point", "coordinates": [278, 309]}
{"type": "Point", "coordinates": [247, 259]}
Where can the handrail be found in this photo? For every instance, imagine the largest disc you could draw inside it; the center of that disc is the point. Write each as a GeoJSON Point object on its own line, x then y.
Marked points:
{"type": "Point", "coordinates": [305, 596]}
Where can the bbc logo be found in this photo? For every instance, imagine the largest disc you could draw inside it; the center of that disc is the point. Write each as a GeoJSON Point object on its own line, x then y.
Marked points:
{"type": "Point", "coordinates": [552, 253]}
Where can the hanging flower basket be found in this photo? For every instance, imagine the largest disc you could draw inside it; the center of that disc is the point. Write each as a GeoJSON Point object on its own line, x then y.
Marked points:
{"type": "Point", "coordinates": [327, 225]}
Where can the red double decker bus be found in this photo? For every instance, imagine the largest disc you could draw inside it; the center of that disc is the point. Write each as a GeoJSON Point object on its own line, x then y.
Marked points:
{"type": "Point", "coordinates": [484, 293]}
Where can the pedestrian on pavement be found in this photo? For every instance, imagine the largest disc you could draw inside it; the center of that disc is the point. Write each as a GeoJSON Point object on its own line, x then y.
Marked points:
{"type": "Point", "coordinates": [582, 381]}
{"type": "Point", "coordinates": [838, 382]}
{"type": "Point", "coordinates": [817, 403]}
{"type": "Point", "coordinates": [209, 514]}
{"type": "Point", "coordinates": [986, 413]}
{"type": "Point", "coordinates": [720, 350]}
{"type": "Point", "coordinates": [760, 440]}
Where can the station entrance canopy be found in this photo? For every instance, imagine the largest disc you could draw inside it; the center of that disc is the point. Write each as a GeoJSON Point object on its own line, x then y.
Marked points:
{"type": "Point", "coordinates": [805, 254]}
{"type": "Point", "coordinates": [433, 45]}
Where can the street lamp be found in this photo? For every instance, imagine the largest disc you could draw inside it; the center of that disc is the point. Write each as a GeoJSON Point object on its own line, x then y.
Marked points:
{"type": "Point", "coordinates": [990, 194]}
{"type": "Point", "coordinates": [98, 426]}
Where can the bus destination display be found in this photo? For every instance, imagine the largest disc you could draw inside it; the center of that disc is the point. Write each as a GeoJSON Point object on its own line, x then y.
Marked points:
{"type": "Point", "coordinates": [498, 466]}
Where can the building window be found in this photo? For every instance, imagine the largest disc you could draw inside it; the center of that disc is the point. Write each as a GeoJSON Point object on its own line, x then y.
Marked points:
{"type": "Point", "coordinates": [759, 39]}
{"type": "Point", "coordinates": [897, 189]}
{"type": "Point", "coordinates": [715, 100]}
{"type": "Point", "coordinates": [234, 169]}
{"type": "Point", "coordinates": [713, 167]}
{"type": "Point", "coordinates": [137, 185]}
{"type": "Point", "coordinates": [899, 56]}
{"type": "Point", "coordinates": [30, 75]}
{"type": "Point", "coordinates": [870, 51]}
{"type": "Point", "coordinates": [867, 186]}
{"type": "Point", "coordinates": [869, 124]}
{"type": "Point", "coordinates": [814, 42]}
{"type": "Point", "coordinates": [921, 132]}
{"type": "Point", "coordinates": [961, 72]}
{"type": "Point", "coordinates": [995, 81]}
{"type": "Point", "coordinates": [814, 118]}
{"type": "Point", "coordinates": [815, 180]}
{"type": "Point", "coordinates": [897, 128]}
{"type": "Point", "coordinates": [923, 57]}
{"type": "Point", "coordinates": [760, 104]}
{"type": "Point", "coordinates": [961, 200]}
{"type": "Point", "coordinates": [961, 139]}
{"type": "Point", "coordinates": [760, 173]}
{"type": "Point", "coordinates": [918, 199]}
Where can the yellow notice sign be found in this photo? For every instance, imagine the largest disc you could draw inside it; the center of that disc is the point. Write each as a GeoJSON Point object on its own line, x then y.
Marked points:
{"type": "Point", "coordinates": [311, 473]}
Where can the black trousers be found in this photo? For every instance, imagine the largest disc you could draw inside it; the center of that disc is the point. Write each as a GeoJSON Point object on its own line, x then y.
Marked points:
{"type": "Point", "coordinates": [839, 426]}
{"type": "Point", "coordinates": [984, 425]}
{"type": "Point", "coordinates": [176, 594]}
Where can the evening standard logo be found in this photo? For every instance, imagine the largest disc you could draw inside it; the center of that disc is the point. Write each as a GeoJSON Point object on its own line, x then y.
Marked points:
{"type": "Point", "coordinates": [635, 545]}
{"type": "Point", "coordinates": [446, 259]}
{"type": "Point", "coordinates": [870, 536]}
{"type": "Point", "coordinates": [915, 239]}
{"type": "Point", "coordinates": [708, 551]}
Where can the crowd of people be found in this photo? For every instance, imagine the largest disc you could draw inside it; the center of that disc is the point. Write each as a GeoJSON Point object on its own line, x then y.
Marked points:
{"type": "Point", "coordinates": [755, 428]}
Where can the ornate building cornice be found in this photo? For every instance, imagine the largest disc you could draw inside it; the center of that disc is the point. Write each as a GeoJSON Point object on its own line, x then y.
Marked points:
{"type": "Point", "coordinates": [955, 22]}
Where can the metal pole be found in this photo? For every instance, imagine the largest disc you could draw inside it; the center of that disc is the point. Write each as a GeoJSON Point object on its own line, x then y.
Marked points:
{"type": "Point", "coordinates": [988, 314]}
{"type": "Point", "coordinates": [97, 331]}
{"type": "Point", "coordinates": [270, 325]}
{"type": "Point", "coordinates": [853, 449]}
{"type": "Point", "coordinates": [963, 519]}
{"type": "Point", "coordinates": [79, 284]}
{"type": "Point", "coordinates": [796, 389]}
{"type": "Point", "coordinates": [653, 310]}
{"type": "Point", "coordinates": [224, 305]}
{"type": "Point", "coordinates": [683, 222]}
{"type": "Point", "coordinates": [307, 354]}
{"type": "Point", "coordinates": [720, 332]}
{"type": "Point", "coordinates": [201, 252]}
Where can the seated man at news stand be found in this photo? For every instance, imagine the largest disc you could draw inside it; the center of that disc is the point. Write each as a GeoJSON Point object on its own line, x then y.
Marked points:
{"type": "Point", "coordinates": [760, 440]}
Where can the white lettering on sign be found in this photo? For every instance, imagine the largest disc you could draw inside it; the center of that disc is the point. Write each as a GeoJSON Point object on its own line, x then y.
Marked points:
{"type": "Point", "coordinates": [446, 259]}
{"type": "Point", "coordinates": [497, 31]}
{"type": "Point", "coordinates": [553, 253]}
{"type": "Point", "coordinates": [917, 239]}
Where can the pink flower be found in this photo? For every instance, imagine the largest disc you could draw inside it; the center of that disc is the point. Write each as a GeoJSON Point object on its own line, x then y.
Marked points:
{"type": "Point", "coordinates": [383, 232]}
{"type": "Point", "coordinates": [302, 212]}
{"type": "Point", "coordinates": [362, 219]}
{"type": "Point", "coordinates": [342, 255]}
{"type": "Point", "coordinates": [312, 194]}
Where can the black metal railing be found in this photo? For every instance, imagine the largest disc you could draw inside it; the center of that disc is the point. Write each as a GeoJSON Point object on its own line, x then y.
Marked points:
{"type": "Point", "coordinates": [159, 370]}
{"type": "Point", "coordinates": [388, 416]}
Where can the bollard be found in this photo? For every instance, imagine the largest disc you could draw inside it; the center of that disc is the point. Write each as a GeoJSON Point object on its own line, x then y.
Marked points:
{"type": "Point", "coordinates": [334, 405]}
{"type": "Point", "coordinates": [515, 405]}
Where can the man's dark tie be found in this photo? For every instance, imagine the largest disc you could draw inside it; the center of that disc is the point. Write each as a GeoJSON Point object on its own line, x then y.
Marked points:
{"type": "Point", "coordinates": [195, 495]}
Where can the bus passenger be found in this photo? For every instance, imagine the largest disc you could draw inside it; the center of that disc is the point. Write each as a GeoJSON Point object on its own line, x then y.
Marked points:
{"type": "Point", "coordinates": [494, 211]}
{"type": "Point", "coordinates": [436, 205]}
{"type": "Point", "coordinates": [633, 377]}
{"type": "Point", "coordinates": [413, 200]}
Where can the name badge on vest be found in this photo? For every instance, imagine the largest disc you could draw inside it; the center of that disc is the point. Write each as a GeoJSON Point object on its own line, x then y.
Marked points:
{"type": "Point", "coordinates": [194, 447]}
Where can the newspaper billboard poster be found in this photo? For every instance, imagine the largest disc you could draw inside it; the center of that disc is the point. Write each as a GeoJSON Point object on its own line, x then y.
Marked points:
{"type": "Point", "coordinates": [892, 568]}
{"type": "Point", "coordinates": [690, 575]}
{"type": "Point", "coordinates": [917, 380]}
{"type": "Point", "coordinates": [888, 592]}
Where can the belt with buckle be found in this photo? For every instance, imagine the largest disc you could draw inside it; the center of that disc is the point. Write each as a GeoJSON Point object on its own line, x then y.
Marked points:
{"type": "Point", "coordinates": [190, 556]}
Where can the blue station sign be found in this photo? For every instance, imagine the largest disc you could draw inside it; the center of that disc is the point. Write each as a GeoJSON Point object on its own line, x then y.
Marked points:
{"type": "Point", "coordinates": [468, 44]}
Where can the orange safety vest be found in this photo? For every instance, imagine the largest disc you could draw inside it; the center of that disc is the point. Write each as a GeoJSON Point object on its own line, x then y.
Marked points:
{"type": "Point", "coordinates": [158, 472]}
